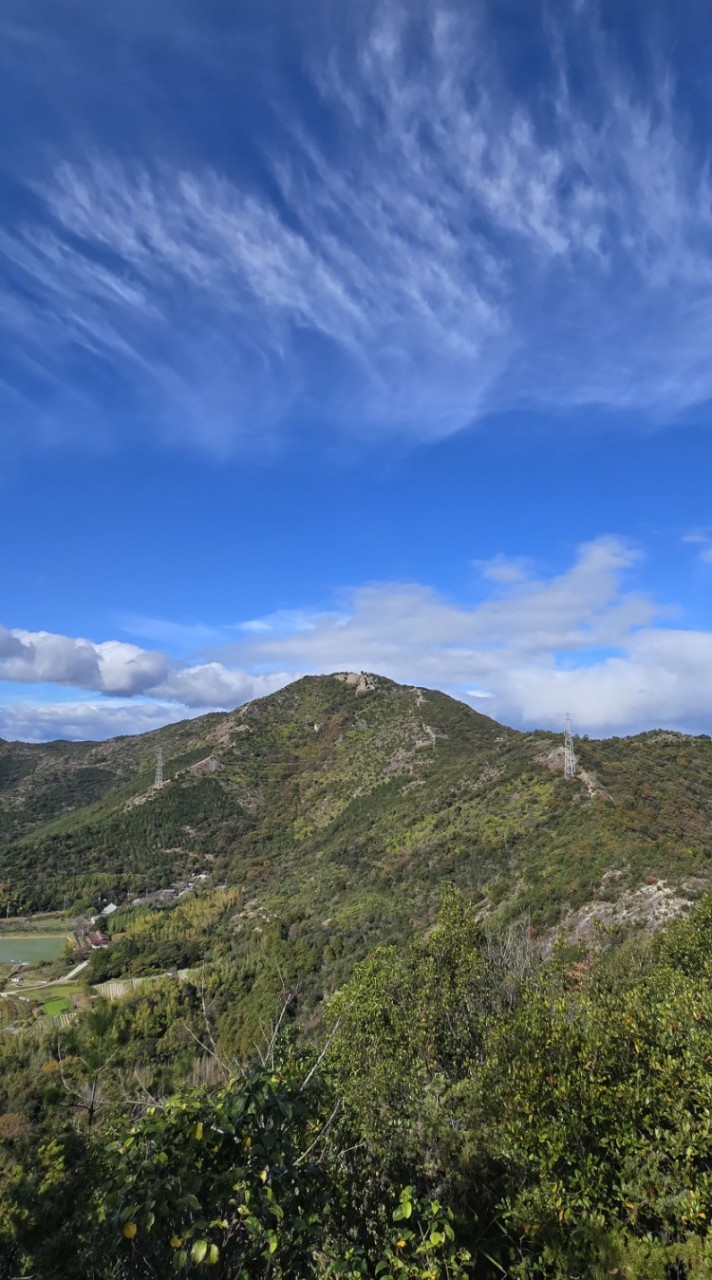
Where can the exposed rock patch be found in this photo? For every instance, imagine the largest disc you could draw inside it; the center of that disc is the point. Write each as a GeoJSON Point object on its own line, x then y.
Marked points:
{"type": "Point", "coordinates": [359, 681]}
{"type": "Point", "coordinates": [210, 764]}
{"type": "Point", "coordinates": [649, 907]}
{"type": "Point", "coordinates": [592, 784]}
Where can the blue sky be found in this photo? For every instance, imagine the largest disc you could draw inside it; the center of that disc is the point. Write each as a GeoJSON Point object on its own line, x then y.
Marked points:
{"type": "Point", "coordinates": [364, 336]}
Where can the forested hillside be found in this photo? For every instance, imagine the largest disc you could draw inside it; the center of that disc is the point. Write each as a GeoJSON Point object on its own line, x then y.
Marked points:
{"type": "Point", "coordinates": [352, 791]}
{"type": "Point", "coordinates": [416, 1005]}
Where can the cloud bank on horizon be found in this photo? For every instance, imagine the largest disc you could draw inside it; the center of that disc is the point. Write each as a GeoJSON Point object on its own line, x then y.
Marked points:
{"type": "Point", "coordinates": [532, 648]}
{"type": "Point", "coordinates": [421, 230]}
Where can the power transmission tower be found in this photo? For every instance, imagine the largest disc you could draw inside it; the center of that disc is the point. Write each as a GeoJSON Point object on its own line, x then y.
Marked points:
{"type": "Point", "coordinates": [569, 756]}
{"type": "Point", "coordinates": [158, 780]}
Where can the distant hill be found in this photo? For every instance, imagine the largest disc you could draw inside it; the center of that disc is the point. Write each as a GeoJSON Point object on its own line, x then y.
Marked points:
{"type": "Point", "coordinates": [351, 795]}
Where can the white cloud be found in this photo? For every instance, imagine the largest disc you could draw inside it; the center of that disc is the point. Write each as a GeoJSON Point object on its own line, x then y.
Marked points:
{"type": "Point", "coordinates": [702, 539]}
{"type": "Point", "coordinates": [288, 622]}
{"type": "Point", "coordinates": [114, 668]}
{"type": "Point", "coordinates": [660, 679]}
{"type": "Point", "coordinates": [505, 569]}
{"type": "Point", "coordinates": [214, 685]}
{"type": "Point", "coordinates": [581, 641]}
{"type": "Point", "coordinates": [459, 249]}
{"type": "Point", "coordinates": [536, 646]}
{"type": "Point", "coordinates": [254, 626]}
{"type": "Point", "coordinates": [110, 667]}
{"type": "Point", "coordinates": [382, 626]}
{"type": "Point", "coordinates": [31, 721]}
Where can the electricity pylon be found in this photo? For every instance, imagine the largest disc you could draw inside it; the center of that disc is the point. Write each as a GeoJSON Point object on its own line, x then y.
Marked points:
{"type": "Point", "coordinates": [569, 755]}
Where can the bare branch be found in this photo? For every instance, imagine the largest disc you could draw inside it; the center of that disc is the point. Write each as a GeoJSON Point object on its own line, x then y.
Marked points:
{"type": "Point", "coordinates": [323, 1053]}
{"type": "Point", "coordinates": [210, 1051]}
{"type": "Point", "coordinates": [322, 1133]}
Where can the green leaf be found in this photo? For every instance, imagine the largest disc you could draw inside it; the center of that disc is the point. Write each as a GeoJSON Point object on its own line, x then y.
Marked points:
{"type": "Point", "coordinates": [199, 1250]}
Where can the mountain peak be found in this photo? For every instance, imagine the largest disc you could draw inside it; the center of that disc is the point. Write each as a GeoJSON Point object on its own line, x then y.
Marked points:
{"type": "Point", "coordinates": [350, 784]}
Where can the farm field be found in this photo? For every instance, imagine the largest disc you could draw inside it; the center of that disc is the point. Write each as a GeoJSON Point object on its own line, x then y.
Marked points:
{"type": "Point", "coordinates": [52, 992]}
{"type": "Point", "coordinates": [54, 1007]}
{"type": "Point", "coordinates": [53, 1000]}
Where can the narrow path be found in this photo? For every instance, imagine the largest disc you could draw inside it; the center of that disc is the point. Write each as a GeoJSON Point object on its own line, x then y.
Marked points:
{"type": "Point", "coordinates": [69, 976]}
{"type": "Point", "coordinates": [47, 982]}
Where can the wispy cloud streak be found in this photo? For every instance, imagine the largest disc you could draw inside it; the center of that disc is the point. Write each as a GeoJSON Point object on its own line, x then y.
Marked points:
{"type": "Point", "coordinates": [462, 244]}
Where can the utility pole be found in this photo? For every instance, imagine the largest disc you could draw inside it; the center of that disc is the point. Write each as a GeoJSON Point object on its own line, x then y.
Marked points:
{"type": "Point", "coordinates": [569, 755]}
{"type": "Point", "coordinates": [158, 780]}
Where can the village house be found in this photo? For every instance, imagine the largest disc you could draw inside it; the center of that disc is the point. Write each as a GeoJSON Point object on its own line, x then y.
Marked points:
{"type": "Point", "coordinates": [98, 939]}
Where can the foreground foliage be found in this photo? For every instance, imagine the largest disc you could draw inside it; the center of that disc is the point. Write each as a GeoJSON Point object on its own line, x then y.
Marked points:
{"type": "Point", "coordinates": [471, 1108]}
{"type": "Point", "coordinates": [237, 1180]}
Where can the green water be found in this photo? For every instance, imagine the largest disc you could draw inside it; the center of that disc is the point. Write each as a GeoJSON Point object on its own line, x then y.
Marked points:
{"type": "Point", "coordinates": [31, 947]}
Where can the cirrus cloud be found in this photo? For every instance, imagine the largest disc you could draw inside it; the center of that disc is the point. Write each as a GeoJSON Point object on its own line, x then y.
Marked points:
{"type": "Point", "coordinates": [450, 244]}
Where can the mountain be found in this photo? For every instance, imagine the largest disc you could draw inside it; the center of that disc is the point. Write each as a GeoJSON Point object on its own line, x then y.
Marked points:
{"type": "Point", "coordinates": [350, 793]}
